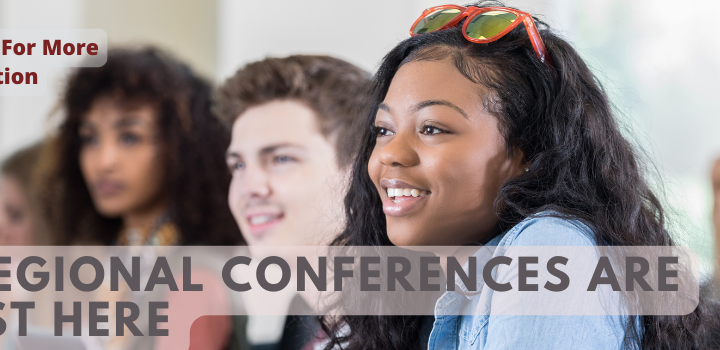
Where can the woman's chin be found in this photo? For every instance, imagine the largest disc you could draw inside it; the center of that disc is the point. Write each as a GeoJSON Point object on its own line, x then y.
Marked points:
{"type": "Point", "coordinates": [109, 210]}
{"type": "Point", "coordinates": [404, 237]}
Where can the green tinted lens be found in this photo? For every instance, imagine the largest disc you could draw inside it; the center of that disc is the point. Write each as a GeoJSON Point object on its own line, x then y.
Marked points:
{"type": "Point", "coordinates": [488, 24]}
{"type": "Point", "coordinates": [435, 21]}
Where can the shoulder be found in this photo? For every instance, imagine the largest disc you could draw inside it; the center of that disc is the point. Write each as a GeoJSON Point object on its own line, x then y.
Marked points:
{"type": "Point", "coordinates": [548, 229]}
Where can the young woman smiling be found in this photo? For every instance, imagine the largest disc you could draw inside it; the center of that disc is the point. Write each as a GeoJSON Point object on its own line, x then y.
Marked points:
{"type": "Point", "coordinates": [504, 139]}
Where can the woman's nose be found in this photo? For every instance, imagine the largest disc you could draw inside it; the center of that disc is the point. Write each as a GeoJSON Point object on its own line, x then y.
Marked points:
{"type": "Point", "coordinates": [400, 151]}
{"type": "Point", "coordinates": [107, 156]}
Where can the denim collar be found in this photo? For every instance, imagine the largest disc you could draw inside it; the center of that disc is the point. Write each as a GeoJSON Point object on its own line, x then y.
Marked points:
{"type": "Point", "coordinates": [483, 254]}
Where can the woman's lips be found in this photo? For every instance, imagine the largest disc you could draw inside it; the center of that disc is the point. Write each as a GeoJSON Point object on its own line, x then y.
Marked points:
{"type": "Point", "coordinates": [401, 197]}
{"type": "Point", "coordinates": [108, 188]}
{"type": "Point", "coordinates": [401, 205]}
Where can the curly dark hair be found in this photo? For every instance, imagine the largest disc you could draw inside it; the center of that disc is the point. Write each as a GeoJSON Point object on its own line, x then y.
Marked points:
{"type": "Point", "coordinates": [337, 91]}
{"type": "Point", "coordinates": [192, 144]}
{"type": "Point", "coordinates": [582, 167]}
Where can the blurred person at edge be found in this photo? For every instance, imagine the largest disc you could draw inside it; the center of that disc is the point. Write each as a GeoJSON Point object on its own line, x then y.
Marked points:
{"type": "Point", "coordinates": [294, 136]}
{"type": "Point", "coordinates": [138, 161]}
{"type": "Point", "coordinates": [716, 220]}
{"type": "Point", "coordinates": [20, 224]}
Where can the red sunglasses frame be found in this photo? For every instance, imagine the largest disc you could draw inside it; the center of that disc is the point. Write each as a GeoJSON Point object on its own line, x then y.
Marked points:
{"type": "Point", "coordinates": [471, 12]}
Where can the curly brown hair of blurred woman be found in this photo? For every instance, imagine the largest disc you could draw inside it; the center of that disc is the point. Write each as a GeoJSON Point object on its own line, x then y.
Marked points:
{"type": "Point", "coordinates": [190, 142]}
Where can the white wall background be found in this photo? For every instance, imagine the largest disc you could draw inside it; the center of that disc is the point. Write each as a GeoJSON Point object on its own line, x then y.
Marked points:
{"type": "Point", "coordinates": [660, 67]}
{"type": "Point", "coordinates": [22, 119]}
{"type": "Point", "coordinates": [359, 32]}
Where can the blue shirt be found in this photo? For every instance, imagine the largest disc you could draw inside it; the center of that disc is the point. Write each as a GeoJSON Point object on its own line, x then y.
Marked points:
{"type": "Point", "coordinates": [493, 332]}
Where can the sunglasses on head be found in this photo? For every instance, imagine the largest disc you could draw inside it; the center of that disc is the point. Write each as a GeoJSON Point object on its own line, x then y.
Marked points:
{"type": "Point", "coordinates": [482, 24]}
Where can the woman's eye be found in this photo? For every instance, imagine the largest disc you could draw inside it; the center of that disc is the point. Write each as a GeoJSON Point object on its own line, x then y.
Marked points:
{"type": "Point", "coordinates": [87, 140]}
{"type": "Point", "coordinates": [380, 131]}
{"type": "Point", "coordinates": [431, 130]}
{"type": "Point", "coordinates": [129, 139]}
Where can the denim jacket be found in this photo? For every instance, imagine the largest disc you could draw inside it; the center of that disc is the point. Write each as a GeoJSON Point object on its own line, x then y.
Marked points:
{"type": "Point", "coordinates": [483, 331]}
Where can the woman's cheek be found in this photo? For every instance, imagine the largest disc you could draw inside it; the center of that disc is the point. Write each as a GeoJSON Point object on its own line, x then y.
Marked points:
{"type": "Point", "coordinates": [86, 163]}
{"type": "Point", "coordinates": [374, 169]}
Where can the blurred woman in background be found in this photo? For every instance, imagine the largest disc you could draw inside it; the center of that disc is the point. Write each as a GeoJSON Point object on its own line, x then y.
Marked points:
{"type": "Point", "coordinates": [139, 160]}
{"type": "Point", "coordinates": [20, 223]}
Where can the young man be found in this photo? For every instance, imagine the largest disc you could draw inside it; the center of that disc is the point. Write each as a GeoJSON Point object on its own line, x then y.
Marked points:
{"type": "Point", "coordinates": [295, 124]}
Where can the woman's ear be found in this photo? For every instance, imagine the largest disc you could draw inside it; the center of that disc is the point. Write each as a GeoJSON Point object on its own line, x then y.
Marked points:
{"type": "Point", "coordinates": [520, 164]}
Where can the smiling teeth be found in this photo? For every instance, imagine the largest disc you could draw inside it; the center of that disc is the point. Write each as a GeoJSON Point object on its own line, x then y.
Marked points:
{"type": "Point", "coordinates": [406, 192]}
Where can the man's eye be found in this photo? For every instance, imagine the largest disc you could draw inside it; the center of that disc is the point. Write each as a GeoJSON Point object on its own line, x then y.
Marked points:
{"type": "Point", "coordinates": [431, 130]}
{"type": "Point", "coordinates": [282, 159]}
{"type": "Point", "coordinates": [237, 166]}
{"type": "Point", "coordinates": [380, 131]}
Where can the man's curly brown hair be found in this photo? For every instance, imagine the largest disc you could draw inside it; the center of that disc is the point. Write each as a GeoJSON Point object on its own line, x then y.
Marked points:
{"type": "Point", "coordinates": [337, 91]}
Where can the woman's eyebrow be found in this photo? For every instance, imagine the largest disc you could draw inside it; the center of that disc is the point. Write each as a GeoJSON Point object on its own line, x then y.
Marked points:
{"type": "Point", "coordinates": [86, 125]}
{"type": "Point", "coordinates": [429, 103]}
{"type": "Point", "coordinates": [127, 121]}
